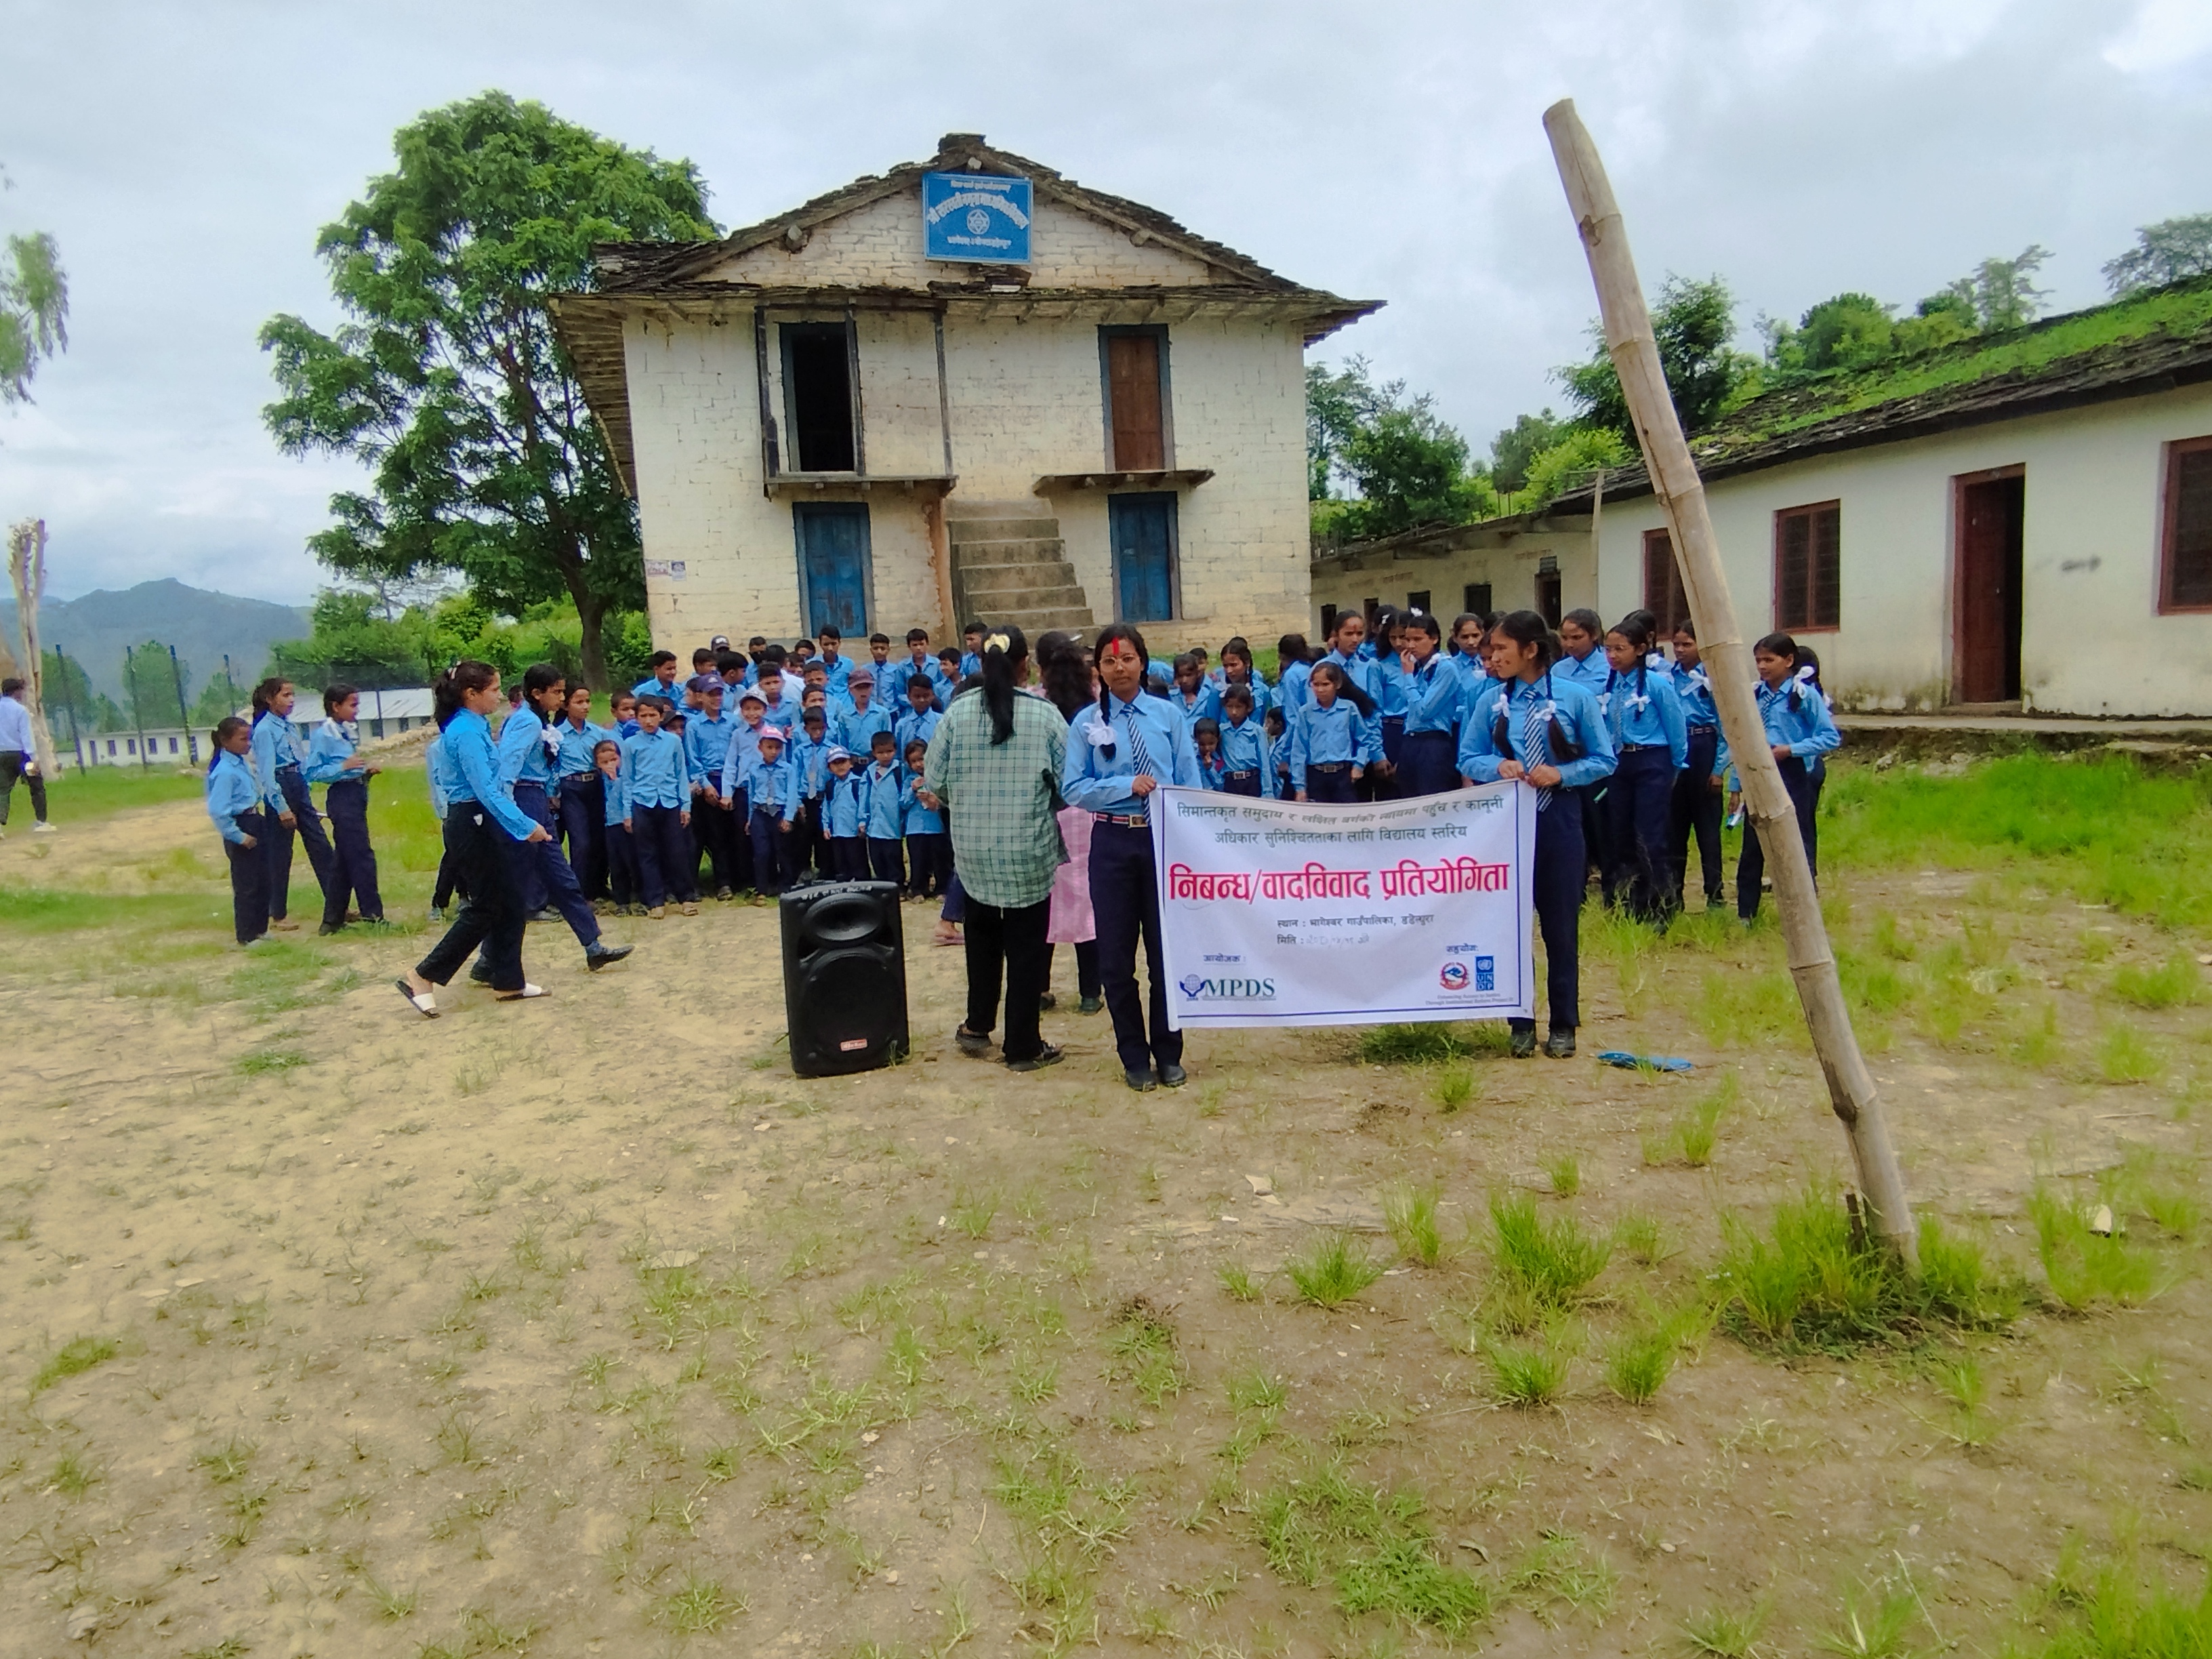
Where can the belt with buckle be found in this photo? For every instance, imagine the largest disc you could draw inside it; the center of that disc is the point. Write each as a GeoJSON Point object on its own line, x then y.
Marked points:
{"type": "Point", "coordinates": [1126, 820]}
{"type": "Point", "coordinates": [1702, 730]}
{"type": "Point", "coordinates": [1332, 768]}
{"type": "Point", "coordinates": [1639, 748]}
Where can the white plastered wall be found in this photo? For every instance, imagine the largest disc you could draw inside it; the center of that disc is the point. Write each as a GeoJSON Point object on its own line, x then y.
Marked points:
{"type": "Point", "coordinates": [2091, 643]}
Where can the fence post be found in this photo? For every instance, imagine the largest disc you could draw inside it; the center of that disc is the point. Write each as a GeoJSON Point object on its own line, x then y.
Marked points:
{"type": "Point", "coordinates": [184, 715]}
{"type": "Point", "coordinates": [138, 719]}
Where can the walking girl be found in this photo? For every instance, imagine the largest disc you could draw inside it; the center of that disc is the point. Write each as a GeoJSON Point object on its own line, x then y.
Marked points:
{"type": "Point", "coordinates": [1428, 753]}
{"type": "Point", "coordinates": [1801, 731]}
{"type": "Point", "coordinates": [233, 802]}
{"type": "Point", "coordinates": [1546, 731]}
{"type": "Point", "coordinates": [1121, 750]}
{"type": "Point", "coordinates": [291, 810]}
{"type": "Point", "coordinates": [331, 761]}
{"type": "Point", "coordinates": [583, 796]}
{"type": "Point", "coordinates": [1650, 748]}
{"type": "Point", "coordinates": [1334, 740]}
{"type": "Point", "coordinates": [482, 820]}
{"type": "Point", "coordinates": [529, 749]}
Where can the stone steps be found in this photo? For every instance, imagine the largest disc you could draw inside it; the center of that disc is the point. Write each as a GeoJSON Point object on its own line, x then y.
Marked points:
{"type": "Point", "coordinates": [1010, 565]}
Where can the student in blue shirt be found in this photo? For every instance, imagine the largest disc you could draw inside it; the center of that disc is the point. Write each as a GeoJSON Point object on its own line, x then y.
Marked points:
{"type": "Point", "coordinates": [1188, 692]}
{"type": "Point", "coordinates": [614, 838]}
{"type": "Point", "coordinates": [862, 717]}
{"type": "Point", "coordinates": [1697, 803]}
{"type": "Point", "coordinates": [971, 651]}
{"type": "Point", "coordinates": [1431, 691]}
{"type": "Point", "coordinates": [1650, 748]}
{"type": "Point", "coordinates": [882, 815]}
{"type": "Point", "coordinates": [621, 711]}
{"type": "Point", "coordinates": [919, 723]}
{"type": "Point", "coordinates": [772, 787]}
{"type": "Point", "coordinates": [331, 761]}
{"type": "Point", "coordinates": [1383, 644]}
{"type": "Point", "coordinates": [580, 803]}
{"type": "Point", "coordinates": [529, 750]}
{"type": "Point", "coordinates": [481, 819]}
{"type": "Point", "coordinates": [290, 808]}
{"type": "Point", "coordinates": [891, 678]}
{"type": "Point", "coordinates": [809, 750]}
{"type": "Point", "coordinates": [661, 681]}
{"type": "Point", "coordinates": [1291, 671]}
{"type": "Point", "coordinates": [1212, 770]}
{"type": "Point", "coordinates": [837, 666]}
{"type": "Point", "coordinates": [233, 802]}
{"type": "Point", "coordinates": [842, 818]}
{"type": "Point", "coordinates": [1248, 758]}
{"type": "Point", "coordinates": [1532, 726]}
{"type": "Point", "coordinates": [1334, 739]}
{"type": "Point", "coordinates": [659, 788]}
{"type": "Point", "coordinates": [1582, 663]}
{"type": "Point", "coordinates": [928, 848]}
{"type": "Point", "coordinates": [715, 827]}
{"type": "Point", "coordinates": [1361, 670]}
{"type": "Point", "coordinates": [1800, 730]}
{"type": "Point", "coordinates": [1120, 750]}
{"type": "Point", "coordinates": [1235, 670]}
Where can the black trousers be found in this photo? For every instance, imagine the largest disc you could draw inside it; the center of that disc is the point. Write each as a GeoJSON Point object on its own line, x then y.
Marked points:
{"type": "Point", "coordinates": [492, 915]}
{"type": "Point", "coordinates": [773, 847]}
{"type": "Point", "coordinates": [1242, 783]}
{"type": "Point", "coordinates": [584, 829]}
{"type": "Point", "coordinates": [1428, 764]}
{"type": "Point", "coordinates": [667, 861]}
{"type": "Point", "coordinates": [848, 858]}
{"type": "Point", "coordinates": [715, 832]}
{"type": "Point", "coordinates": [449, 877]}
{"type": "Point", "coordinates": [1640, 797]}
{"type": "Point", "coordinates": [13, 763]}
{"type": "Point", "coordinates": [621, 864]}
{"type": "Point", "coordinates": [1086, 967]}
{"type": "Point", "coordinates": [886, 858]}
{"type": "Point", "coordinates": [249, 881]}
{"type": "Point", "coordinates": [1124, 895]}
{"type": "Point", "coordinates": [1803, 784]}
{"type": "Point", "coordinates": [1595, 841]}
{"type": "Point", "coordinates": [929, 863]}
{"type": "Point", "coordinates": [1330, 781]}
{"type": "Point", "coordinates": [1697, 810]}
{"type": "Point", "coordinates": [276, 843]}
{"type": "Point", "coordinates": [544, 876]}
{"type": "Point", "coordinates": [1556, 885]}
{"type": "Point", "coordinates": [1011, 942]}
{"type": "Point", "coordinates": [353, 860]}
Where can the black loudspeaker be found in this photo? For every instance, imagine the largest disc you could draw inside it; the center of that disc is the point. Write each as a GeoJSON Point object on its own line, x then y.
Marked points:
{"type": "Point", "coordinates": [844, 977]}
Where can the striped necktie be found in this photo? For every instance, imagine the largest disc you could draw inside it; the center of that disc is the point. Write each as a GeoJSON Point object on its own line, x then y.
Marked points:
{"type": "Point", "coordinates": [1536, 744]}
{"type": "Point", "coordinates": [1138, 753]}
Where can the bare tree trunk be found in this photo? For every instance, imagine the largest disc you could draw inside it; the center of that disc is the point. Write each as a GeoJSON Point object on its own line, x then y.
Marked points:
{"type": "Point", "coordinates": [592, 612]}
{"type": "Point", "coordinates": [1634, 356]}
{"type": "Point", "coordinates": [27, 569]}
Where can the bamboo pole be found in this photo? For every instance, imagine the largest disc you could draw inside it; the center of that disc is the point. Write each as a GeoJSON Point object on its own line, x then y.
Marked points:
{"type": "Point", "coordinates": [27, 572]}
{"type": "Point", "coordinates": [1635, 354]}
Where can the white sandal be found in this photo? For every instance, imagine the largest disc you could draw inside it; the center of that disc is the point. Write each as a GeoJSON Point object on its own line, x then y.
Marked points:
{"type": "Point", "coordinates": [423, 1002]}
{"type": "Point", "coordinates": [528, 991]}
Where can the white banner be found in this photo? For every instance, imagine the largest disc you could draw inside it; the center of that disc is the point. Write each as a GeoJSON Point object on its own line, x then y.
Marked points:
{"type": "Point", "coordinates": [1283, 913]}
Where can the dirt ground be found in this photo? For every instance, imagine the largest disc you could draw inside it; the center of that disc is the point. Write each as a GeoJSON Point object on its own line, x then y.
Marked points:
{"type": "Point", "coordinates": [582, 1328]}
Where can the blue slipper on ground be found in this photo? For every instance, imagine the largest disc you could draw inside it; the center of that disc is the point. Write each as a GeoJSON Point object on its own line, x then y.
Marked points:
{"type": "Point", "coordinates": [1629, 1062]}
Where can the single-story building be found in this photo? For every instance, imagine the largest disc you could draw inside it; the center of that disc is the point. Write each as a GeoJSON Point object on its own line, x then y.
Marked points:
{"type": "Point", "coordinates": [1538, 561]}
{"type": "Point", "coordinates": [2020, 521]}
{"type": "Point", "coordinates": [967, 386]}
{"type": "Point", "coordinates": [166, 747]}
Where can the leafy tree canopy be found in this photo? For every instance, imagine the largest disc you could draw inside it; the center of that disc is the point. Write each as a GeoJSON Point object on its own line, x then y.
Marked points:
{"type": "Point", "coordinates": [1998, 293]}
{"type": "Point", "coordinates": [1695, 322]}
{"type": "Point", "coordinates": [2168, 252]}
{"type": "Point", "coordinates": [446, 379]}
{"type": "Point", "coordinates": [1403, 463]}
{"type": "Point", "coordinates": [1513, 449]}
{"type": "Point", "coordinates": [33, 308]}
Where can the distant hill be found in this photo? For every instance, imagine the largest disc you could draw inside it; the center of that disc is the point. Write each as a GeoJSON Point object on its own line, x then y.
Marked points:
{"type": "Point", "coordinates": [202, 626]}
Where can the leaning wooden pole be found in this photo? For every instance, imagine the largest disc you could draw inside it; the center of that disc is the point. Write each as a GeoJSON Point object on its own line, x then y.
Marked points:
{"type": "Point", "coordinates": [1635, 354]}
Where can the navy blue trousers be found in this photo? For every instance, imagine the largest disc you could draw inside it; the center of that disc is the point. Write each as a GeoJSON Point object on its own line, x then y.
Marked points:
{"type": "Point", "coordinates": [622, 863]}
{"type": "Point", "coordinates": [1804, 785]}
{"type": "Point", "coordinates": [1380, 785]}
{"type": "Point", "coordinates": [1697, 809]}
{"type": "Point", "coordinates": [848, 858]}
{"type": "Point", "coordinates": [716, 832]}
{"type": "Point", "coordinates": [249, 879]}
{"type": "Point", "coordinates": [1428, 764]}
{"type": "Point", "coordinates": [887, 859]}
{"type": "Point", "coordinates": [772, 851]}
{"type": "Point", "coordinates": [1242, 783]}
{"type": "Point", "coordinates": [1125, 897]}
{"type": "Point", "coordinates": [1640, 807]}
{"type": "Point", "coordinates": [584, 829]}
{"type": "Point", "coordinates": [1334, 787]}
{"type": "Point", "coordinates": [665, 861]}
{"type": "Point", "coordinates": [544, 876]}
{"type": "Point", "coordinates": [929, 863]}
{"type": "Point", "coordinates": [1557, 884]}
{"type": "Point", "coordinates": [492, 915]}
{"type": "Point", "coordinates": [277, 842]}
{"type": "Point", "coordinates": [353, 862]}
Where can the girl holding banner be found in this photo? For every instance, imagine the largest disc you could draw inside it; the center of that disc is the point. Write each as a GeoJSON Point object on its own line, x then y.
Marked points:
{"type": "Point", "coordinates": [1546, 732]}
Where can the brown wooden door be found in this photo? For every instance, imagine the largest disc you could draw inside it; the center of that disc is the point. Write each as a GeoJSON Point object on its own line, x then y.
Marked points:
{"type": "Point", "coordinates": [1133, 388]}
{"type": "Point", "coordinates": [1986, 602]}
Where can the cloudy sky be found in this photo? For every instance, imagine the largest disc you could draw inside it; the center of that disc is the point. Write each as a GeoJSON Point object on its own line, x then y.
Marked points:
{"type": "Point", "coordinates": [185, 155]}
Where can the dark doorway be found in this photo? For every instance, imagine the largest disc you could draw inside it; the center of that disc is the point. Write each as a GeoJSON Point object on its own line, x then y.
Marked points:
{"type": "Point", "coordinates": [1547, 597]}
{"type": "Point", "coordinates": [833, 564]}
{"type": "Point", "coordinates": [1142, 528]}
{"type": "Point", "coordinates": [1475, 598]}
{"type": "Point", "coordinates": [818, 383]}
{"type": "Point", "coordinates": [1136, 397]}
{"type": "Point", "coordinates": [1985, 600]}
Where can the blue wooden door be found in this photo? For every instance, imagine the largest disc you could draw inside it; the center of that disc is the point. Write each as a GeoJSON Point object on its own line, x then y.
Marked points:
{"type": "Point", "coordinates": [833, 562]}
{"type": "Point", "coordinates": [1142, 527]}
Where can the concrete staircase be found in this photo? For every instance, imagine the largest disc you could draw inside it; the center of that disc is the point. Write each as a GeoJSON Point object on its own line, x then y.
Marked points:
{"type": "Point", "coordinates": [1009, 564]}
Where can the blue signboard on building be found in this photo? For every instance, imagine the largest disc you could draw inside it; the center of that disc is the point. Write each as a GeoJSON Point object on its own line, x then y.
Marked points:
{"type": "Point", "coordinates": [978, 218]}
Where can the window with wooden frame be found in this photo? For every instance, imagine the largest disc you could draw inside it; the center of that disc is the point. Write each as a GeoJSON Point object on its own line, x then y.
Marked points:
{"type": "Point", "coordinates": [2185, 580]}
{"type": "Point", "coordinates": [1134, 367]}
{"type": "Point", "coordinates": [1664, 594]}
{"type": "Point", "coordinates": [1808, 568]}
{"type": "Point", "coordinates": [1418, 599]}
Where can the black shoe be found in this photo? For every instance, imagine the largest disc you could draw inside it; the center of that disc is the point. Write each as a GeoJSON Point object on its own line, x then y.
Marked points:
{"type": "Point", "coordinates": [972, 1045]}
{"type": "Point", "coordinates": [1090, 1005]}
{"type": "Point", "coordinates": [1524, 1042]}
{"type": "Point", "coordinates": [724, 894]}
{"type": "Point", "coordinates": [1561, 1045]}
{"type": "Point", "coordinates": [1047, 1002]}
{"type": "Point", "coordinates": [1173, 1077]}
{"type": "Point", "coordinates": [1141, 1080]}
{"type": "Point", "coordinates": [597, 956]}
{"type": "Point", "coordinates": [1047, 1055]}
{"type": "Point", "coordinates": [329, 927]}
{"type": "Point", "coordinates": [480, 974]}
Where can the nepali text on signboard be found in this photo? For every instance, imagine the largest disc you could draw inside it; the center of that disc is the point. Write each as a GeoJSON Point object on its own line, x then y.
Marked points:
{"type": "Point", "coordinates": [1280, 912]}
{"type": "Point", "coordinates": [978, 218]}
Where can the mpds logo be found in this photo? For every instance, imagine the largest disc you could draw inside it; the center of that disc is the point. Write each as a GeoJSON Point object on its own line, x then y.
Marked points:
{"type": "Point", "coordinates": [1195, 988]}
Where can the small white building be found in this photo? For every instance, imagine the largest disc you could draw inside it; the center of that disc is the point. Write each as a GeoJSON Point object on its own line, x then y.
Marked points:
{"type": "Point", "coordinates": [966, 388]}
{"type": "Point", "coordinates": [2019, 521]}
{"type": "Point", "coordinates": [383, 714]}
{"type": "Point", "coordinates": [167, 747]}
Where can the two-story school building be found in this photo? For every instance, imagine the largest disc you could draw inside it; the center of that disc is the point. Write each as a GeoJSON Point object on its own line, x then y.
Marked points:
{"type": "Point", "coordinates": [2022, 521]}
{"type": "Point", "coordinates": [966, 388]}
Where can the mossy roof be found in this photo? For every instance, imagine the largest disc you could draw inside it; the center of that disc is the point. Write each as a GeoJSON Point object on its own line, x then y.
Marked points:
{"type": "Point", "coordinates": [2147, 343]}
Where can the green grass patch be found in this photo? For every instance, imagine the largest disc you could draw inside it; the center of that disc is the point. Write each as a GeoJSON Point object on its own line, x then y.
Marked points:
{"type": "Point", "coordinates": [1410, 1212]}
{"type": "Point", "coordinates": [1551, 1264]}
{"type": "Point", "coordinates": [2086, 1269]}
{"type": "Point", "coordinates": [1334, 1268]}
{"type": "Point", "coordinates": [1429, 1043]}
{"type": "Point", "coordinates": [1373, 1546]}
{"type": "Point", "coordinates": [2174, 984]}
{"type": "Point", "coordinates": [73, 1359]}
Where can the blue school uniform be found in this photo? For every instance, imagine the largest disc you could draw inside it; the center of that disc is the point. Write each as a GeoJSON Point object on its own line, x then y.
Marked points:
{"type": "Point", "coordinates": [1326, 743]}
{"type": "Point", "coordinates": [914, 728]}
{"type": "Point", "coordinates": [527, 747]}
{"type": "Point", "coordinates": [475, 775]}
{"type": "Point", "coordinates": [329, 749]}
{"type": "Point", "coordinates": [1212, 706]}
{"type": "Point", "coordinates": [836, 674]}
{"type": "Point", "coordinates": [1588, 672]}
{"type": "Point", "coordinates": [1428, 758]}
{"type": "Point", "coordinates": [1364, 672]}
{"type": "Point", "coordinates": [891, 679]}
{"type": "Point", "coordinates": [1651, 742]}
{"type": "Point", "coordinates": [842, 810]}
{"type": "Point", "coordinates": [707, 748]}
{"type": "Point", "coordinates": [272, 745]}
{"type": "Point", "coordinates": [625, 730]}
{"type": "Point", "coordinates": [1193, 709]}
{"type": "Point", "coordinates": [771, 786]}
{"type": "Point", "coordinates": [881, 804]}
{"type": "Point", "coordinates": [1642, 711]}
{"type": "Point", "coordinates": [618, 842]}
{"type": "Point", "coordinates": [1795, 717]}
{"type": "Point", "coordinates": [970, 664]}
{"type": "Point", "coordinates": [857, 728]}
{"type": "Point", "coordinates": [352, 878]}
{"type": "Point", "coordinates": [437, 773]}
{"type": "Point", "coordinates": [1102, 754]}
{"type": "Point", "coordinates": [1248, 758]}
{"type": "Point", "coordinates": [1798, 715]}
{"type": "Point", "coordinates": [615, 792]}
{"type": "Point", "coordinates": [808, 759]}
{"type": "Point", "coordinates": [233, 793]}
{"type": "Point", "coordinates": [920, 818]}
{"type": "Point", "coordinates": [651, 687]}
{"type": "Point", "coordinates": [1291, 689]}
{"type": "Point", "coordinates": [577, 743]}
{"type": "Point", "coordinates": [658, 775]}
{"type": "Point", "coordinates": [231, 790]}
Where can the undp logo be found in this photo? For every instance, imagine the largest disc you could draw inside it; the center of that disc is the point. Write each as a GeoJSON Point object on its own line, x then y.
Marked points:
{"type": "Point", "coordinates": [1196, 988]}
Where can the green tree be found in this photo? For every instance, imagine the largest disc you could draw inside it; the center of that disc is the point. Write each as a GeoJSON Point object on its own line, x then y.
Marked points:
{"type": "Point", "coordinates": [349, 639]}
{"type": "Point", "coordinates": [1401, 462]}
{"type": "Point", "coordinates": [1694, 324]}
{"type": "Point", "coordinates": [1513, 449]}
{"type": "Point", "coordinates": [1567, 465]}
{"type": "Point", "coordinates": [1851, 331]}
{"type": "Point", "coordinates": [447, 380]}
{"type": "Point", "coordinates": [2170, 251]}
{"type": "Point", "coordinates": [33, 309]}
{"type": "Point", "coordinates": [216, 698]}
{"type": "Point", "coordinates": [1998, 293]}
{"type": "Point", "coordinates": [1336, 406]}
{"type": "Point", "coordinates": [150, 680]}
{"type": "Point", "coordinates": [68, 689]}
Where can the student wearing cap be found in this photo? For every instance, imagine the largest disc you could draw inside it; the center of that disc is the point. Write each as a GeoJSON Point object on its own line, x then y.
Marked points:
{"type": "Point", "coordinates": [707, 737]}
{"type": "Point", "coordinates": [772, 789]}
{"type": "Point", "coordinates": [840, 816]}
{"type": "Point", "coordinates": [862, 716]}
